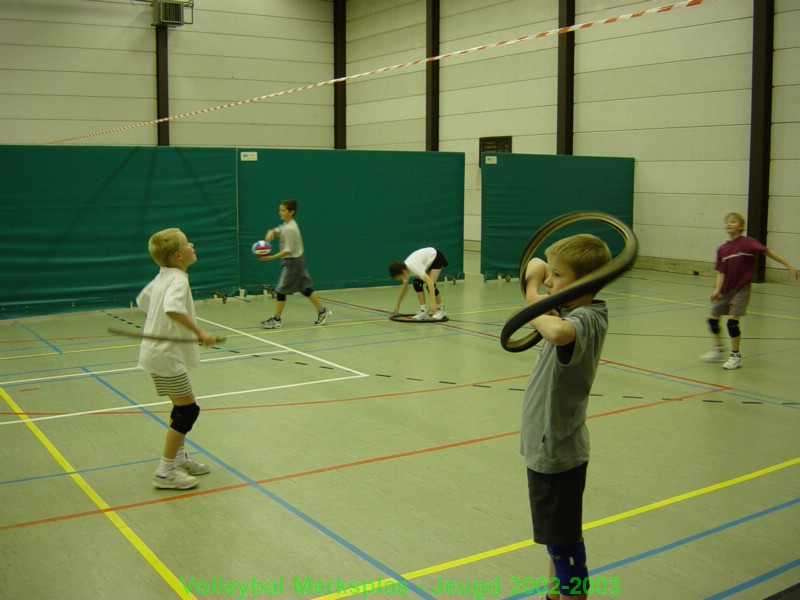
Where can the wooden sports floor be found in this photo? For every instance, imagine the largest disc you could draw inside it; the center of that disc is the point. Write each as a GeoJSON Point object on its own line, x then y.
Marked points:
{"type": "Point", "coordinates": [377, 459]}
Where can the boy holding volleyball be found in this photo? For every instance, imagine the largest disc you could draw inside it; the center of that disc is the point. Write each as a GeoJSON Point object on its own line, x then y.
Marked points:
{"type": "Point", "coordinates": [424, 266]}
{"type": "Point", "coordinates": [294, 276]}
{"type": "Point", "coordinates": [554, 438]}
{"type": "Point", "coordinates": [169, 306]}
{"type": "Point", "coordinates": [736, 260]}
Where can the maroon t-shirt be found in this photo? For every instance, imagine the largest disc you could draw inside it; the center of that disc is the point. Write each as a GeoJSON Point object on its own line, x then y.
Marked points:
{"type": "Point", "coordinates": [736, 260]}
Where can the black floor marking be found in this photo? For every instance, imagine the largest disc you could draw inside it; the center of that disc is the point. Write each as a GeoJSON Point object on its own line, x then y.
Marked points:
{"type": "Point", "coordinates": [381, 375]}
{"type": "Point", "coordinates": [448, 382]}
{"type": "Point", "coordinates": [413, 379]}
{"type": "Point", "coordinates": [751, 402]}
{"type": "Point", "coordinates": [480, 385]}
{"type": "Point", "coordinates": [792, 593]}
{"type": "Point", "coordinates": [717, 401]}
{"type": "Point", "coordinates": [633, 397]}
{"type": "Point", "coordinates": [517, 389]}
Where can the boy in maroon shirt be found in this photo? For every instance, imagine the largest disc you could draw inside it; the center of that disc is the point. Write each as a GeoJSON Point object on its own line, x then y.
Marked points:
{"type": "Point", "coordinates": [736, 261]}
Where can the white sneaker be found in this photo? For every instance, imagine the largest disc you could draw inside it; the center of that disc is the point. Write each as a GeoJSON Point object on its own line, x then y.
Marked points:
{"type": "Point", "coordinates": [174, 479]}
{"type": "Point", "coordinates": [192, 467]}
{"type": "Point", "coordinates": [272, 323]}
{"type": "Point", "coordinates": [322, 316]}
{"type": "Point", "coordinates": [734, 361]}
{"type": "Point", "coordinates": [716, 354]}
{"type": "Point", "coordinates": [422, 314]}
{"type": "Point", "coordinates": [439, 314]}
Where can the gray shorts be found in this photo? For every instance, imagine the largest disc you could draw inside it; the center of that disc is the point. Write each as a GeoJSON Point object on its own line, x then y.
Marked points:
{"type": "Point", "coordinates": [294, 277]}
{"type": "Point", "coordinates": [732, 303]}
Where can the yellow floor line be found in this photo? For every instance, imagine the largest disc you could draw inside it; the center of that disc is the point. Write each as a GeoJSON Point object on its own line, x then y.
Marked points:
{"type": "Point", "coordinates": [598, 523]}
{"type": "Point", "coordinates": [153, 560]}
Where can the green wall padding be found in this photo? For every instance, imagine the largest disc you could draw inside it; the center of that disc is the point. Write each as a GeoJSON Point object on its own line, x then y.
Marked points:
{"type": "Point", "coordinates": [357, 210]}
{"type": "Point", "coordinates": [522, 192]}
{"type": "Point", "coordinates": [76, 220]}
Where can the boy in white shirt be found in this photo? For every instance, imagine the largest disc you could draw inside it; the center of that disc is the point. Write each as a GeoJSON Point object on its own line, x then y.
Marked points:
{"type": "Point", "coordinates": [424, 265]}
{"type": "Point", "coordinates": [168, 303]}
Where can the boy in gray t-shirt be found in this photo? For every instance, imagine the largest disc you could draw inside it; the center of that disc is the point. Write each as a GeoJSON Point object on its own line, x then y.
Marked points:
{"type": "Point", "coordinates": [554, 439]}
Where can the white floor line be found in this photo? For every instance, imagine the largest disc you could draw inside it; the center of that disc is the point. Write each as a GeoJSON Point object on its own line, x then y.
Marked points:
{"type": "Point", "coordinates": [355, 375]}
{"type": "Point", "coordinates": [126, 369]}
{"type": "Point", "coordinates": [287, 348]}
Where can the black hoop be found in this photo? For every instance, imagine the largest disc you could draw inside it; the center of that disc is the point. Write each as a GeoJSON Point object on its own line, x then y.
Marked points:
{"type": "Point", "coordinates": [590, 283]}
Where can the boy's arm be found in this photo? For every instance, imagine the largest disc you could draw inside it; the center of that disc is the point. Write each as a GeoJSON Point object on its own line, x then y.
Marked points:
{"type": "Point", "coordinates": [535, 274]}
{"type": "Point", "coordinates": [717, 285]}
{"type": "Point", "coordinates": [205, 338]}
{"type": "Point", "coordinates": [275, 231]}
{"type": "Point", "coordinates": [403, 290]}
{"type": "Point", "coordinates": [778, 258]}
{"type": "Point", "coordinates": [431, 290]}
{"type": "Point", "coordinates": [554, 329]}
{"type": "Point", "coordinates": [275, 256]}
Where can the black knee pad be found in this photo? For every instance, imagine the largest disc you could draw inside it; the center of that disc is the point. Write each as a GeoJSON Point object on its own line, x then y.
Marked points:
{"type": "Point", "coordinates": [435, 290]}
{"type": "Point", "coordinates": [183, 417]}
{"type": "Point", "coordinates": [280, 297]}
{"type": "Point", "coordinates": [418, 285]}
{"type": "Point", "coordinates": [307, 292]}
{"type": "Point", "coordinates": [714, 325]}
{"type": "Point", "coordinates": [733, 328]}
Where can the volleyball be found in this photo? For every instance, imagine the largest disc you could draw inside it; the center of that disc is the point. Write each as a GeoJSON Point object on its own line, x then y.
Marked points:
{"type": "Point", "coordinates": [261, 249]}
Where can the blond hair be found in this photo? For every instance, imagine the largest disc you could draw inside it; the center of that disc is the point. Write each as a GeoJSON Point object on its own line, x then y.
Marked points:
{"type": "Point", "coordinates": [583, 253]}
{"type": "Point", "coordinates": [163, 244]}
{"type": "Point", "coordinates": [736, 216]}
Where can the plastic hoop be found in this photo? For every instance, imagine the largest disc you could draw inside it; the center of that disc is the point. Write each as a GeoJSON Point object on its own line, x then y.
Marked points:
{"type": "Point", "coordinates": [590, 283]}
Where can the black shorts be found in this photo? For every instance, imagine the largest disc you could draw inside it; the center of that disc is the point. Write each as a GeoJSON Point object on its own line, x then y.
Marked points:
{"type": "Point", "coordinates": [557, 505]}
{"type": "Point", "coordinates": [439, 262]}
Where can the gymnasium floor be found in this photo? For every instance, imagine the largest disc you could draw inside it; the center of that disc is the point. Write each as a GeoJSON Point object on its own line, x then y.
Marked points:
{"type": "Point", "coordinates": [367, 451]}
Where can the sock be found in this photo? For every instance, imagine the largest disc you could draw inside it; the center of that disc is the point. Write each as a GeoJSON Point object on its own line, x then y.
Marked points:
{"type": "Point", "coordinates": [165, 466]}
{"type": "Point", "coordinates": [180, 455]}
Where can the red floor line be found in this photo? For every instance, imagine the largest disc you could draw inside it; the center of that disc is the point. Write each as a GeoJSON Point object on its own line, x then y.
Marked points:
{"type": "Point", "coordinates": [671, 376]}
{"type": "Point", "coordinates": [358, 463]}
{"type": "Point", "coordinates": [288, 404]}
{"type": "Point", "coordinates": [277, 478]}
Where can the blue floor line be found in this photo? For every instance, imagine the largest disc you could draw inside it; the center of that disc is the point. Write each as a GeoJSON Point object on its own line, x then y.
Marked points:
{"type": "Point", "coordinates": [755, 581]}
{"type": "Point", "coordinates": [693, 538]}
{"type": "Point", "coordinates": [283, 503]}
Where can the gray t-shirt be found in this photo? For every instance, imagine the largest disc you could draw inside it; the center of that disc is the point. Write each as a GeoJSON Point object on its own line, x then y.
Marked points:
{"type": "Point", "coordinates": [554, 437]}
{"type": "Point", "coordinates": [291, 240]}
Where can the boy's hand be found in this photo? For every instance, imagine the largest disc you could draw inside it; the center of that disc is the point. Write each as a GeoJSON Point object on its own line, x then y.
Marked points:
{"type": "Point", "coordinates": [535, 274]}
{"type": "Point", "coordinates": [206, 339]}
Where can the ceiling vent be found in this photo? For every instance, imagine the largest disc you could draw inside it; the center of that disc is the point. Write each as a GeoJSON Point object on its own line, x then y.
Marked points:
{"type": "Point", "coordinates": [172, 13]}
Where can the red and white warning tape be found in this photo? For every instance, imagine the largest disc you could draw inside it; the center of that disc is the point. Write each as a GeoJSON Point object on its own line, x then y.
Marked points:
{"type": "Point", "coordinates": [525, 38]}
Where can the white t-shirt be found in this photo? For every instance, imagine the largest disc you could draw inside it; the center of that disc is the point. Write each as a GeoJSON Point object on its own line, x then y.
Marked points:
{"type": "Point", "coordinates": [419, 261]}
{"type": "Point", "coordinates": [168, 292]}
